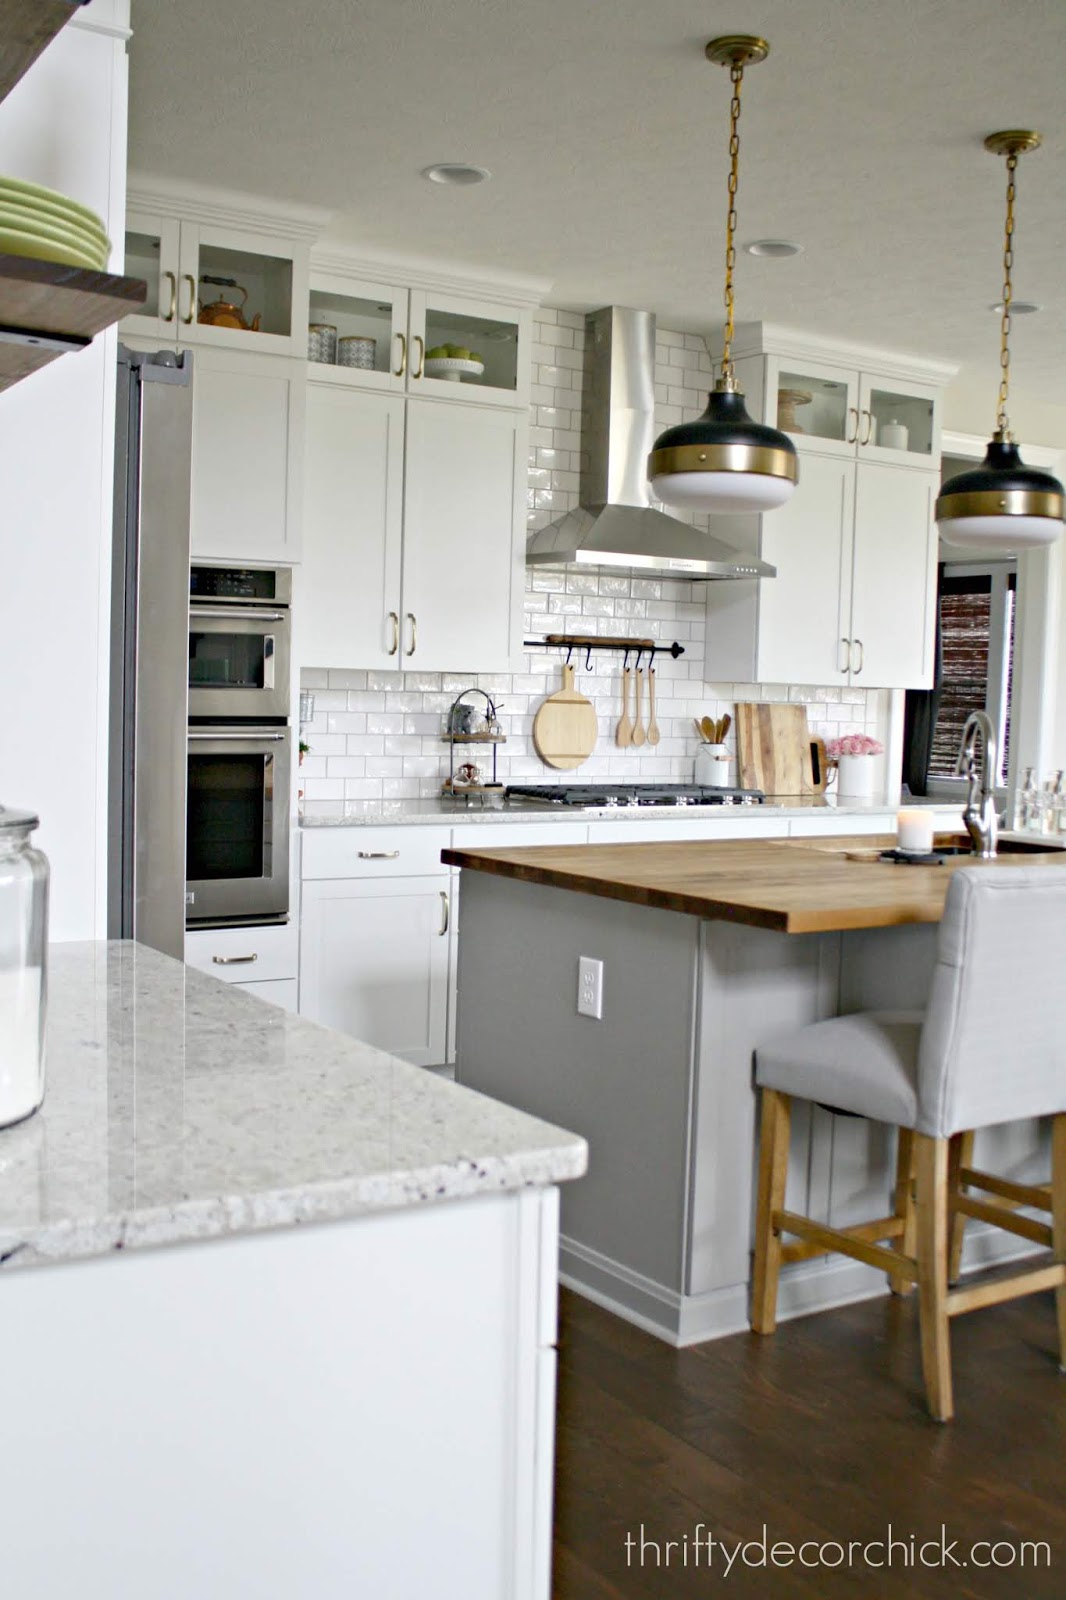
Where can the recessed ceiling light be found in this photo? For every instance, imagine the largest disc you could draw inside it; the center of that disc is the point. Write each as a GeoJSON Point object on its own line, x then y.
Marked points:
{"type": "Point", "coordinates": [1020, 308]}
{"type": "Point", "coordinates": [773, 247]}
{"type": "Point", "coordinates": [457, 173]}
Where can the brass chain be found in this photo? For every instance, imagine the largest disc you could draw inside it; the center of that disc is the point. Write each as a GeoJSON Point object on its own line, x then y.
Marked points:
{"type": "Point", "coordinates": [736, 74]}
{"type": "Point", "coordinates": [1002, 425]}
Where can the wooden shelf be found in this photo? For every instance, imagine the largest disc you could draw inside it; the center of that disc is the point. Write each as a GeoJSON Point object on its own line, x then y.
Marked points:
{"type": "Point", "coordinates": [26, 26]}
{"type": "Point", "coordinates": [47, 308]}
{"type": "Point", "coordinates": [473, 738]}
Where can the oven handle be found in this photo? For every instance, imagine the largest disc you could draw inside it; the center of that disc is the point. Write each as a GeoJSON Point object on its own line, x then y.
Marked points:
{"type": "Point", "coordinates": [232, 613]}
{"type": "Point", "coordinates": [238, 733]}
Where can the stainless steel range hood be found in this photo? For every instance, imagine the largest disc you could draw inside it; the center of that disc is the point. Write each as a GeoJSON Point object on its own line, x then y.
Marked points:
{"type": "Point", "coordinates": [615, 526]}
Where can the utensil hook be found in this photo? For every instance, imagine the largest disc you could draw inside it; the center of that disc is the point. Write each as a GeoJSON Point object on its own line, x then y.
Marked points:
{"type": "Point", "coordinates": [640, 652]}
{"type": "Point", "coordinates": [569, 654]}
{"type": "Point", "coordinates": [625, 662]}
{"type": "Point", "coordinates": [588, 658]}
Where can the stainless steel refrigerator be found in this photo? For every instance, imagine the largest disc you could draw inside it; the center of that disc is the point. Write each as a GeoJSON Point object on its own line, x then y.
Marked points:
{"type": "Point", "coordinates": [150, 650]}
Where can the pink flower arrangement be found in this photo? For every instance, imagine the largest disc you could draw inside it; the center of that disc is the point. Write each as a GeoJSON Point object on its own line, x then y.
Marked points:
{"type": "Point", "coordinates": [853, 744]}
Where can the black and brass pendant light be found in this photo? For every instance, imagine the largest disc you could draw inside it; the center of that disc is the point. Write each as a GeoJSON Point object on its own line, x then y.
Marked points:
{"type": "Point", "coordinates": [1003, 503]}
{"type": "Point", "coordinates": [725, 462]}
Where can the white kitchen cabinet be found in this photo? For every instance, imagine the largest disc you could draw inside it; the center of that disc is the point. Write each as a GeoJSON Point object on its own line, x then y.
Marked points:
{"type": "Point", "coordinates": [405, 323]}
{"type": "Point", "coordinates": [374, 962]}
{"type": "Point", "coordinates": [855, 547]}
{"type": "Point", "coordinates": [179, 256]}
{"type": "Point", "coordinates": [247, 461]}
{"type": "Point", "coordinates": [414, 533]}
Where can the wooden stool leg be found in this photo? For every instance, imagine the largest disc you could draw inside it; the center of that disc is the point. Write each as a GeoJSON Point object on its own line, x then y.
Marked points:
{"type": "Point", "coordinates": [960, 1155]}
{"type": "Point", "coordinates": [904, 1207]}
{"type": "Point", "coordinates": [1058, 1220]}
{"type": "Point", "coordinates": [932, 1202]}
{"type": "Point", "coordinates": [773, 1170]}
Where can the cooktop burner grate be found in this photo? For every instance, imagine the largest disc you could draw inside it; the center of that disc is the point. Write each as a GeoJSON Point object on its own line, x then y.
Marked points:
{"type": "Point", "coordinates": [630, 794]}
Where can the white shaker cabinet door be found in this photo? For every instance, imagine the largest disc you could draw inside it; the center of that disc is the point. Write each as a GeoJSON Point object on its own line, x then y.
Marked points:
{"type": "Point", "coordinates": [374, 963]}
{"type": "Point", "coordinates": [803, 612]}
{"type": "Point", "coordinates": [894, 587]}
{"type": "Point", "coordinates": [248, 421]}
{"type": "Point", "coordinates": [464, 537]}
{"type": "Point", "coordinates": [349, 608]}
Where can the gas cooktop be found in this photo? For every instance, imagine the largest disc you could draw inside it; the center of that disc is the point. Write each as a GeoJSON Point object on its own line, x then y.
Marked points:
{"type": "Point", "coordinates": [630, 794]}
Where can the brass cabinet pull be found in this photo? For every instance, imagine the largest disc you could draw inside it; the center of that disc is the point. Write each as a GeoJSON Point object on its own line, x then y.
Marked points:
{"type": "Point", "coordinates": [868, 430]}
{"type": "Point", "coordinates": [234, 961]}
{"type": "Point", "coordinates": [851, 437]}
{"type": "Point", "coordinates": [444, 914]}
{"type": "Point", "coordinates": [191, 281]}
{"type": "Point", "coordinates": [845, 664]}
{"type": "Point", "coordinates": [421, 343]}
{"type": "Point", "coordinates": [394, 618]}
{"type": "Point", "coordinates": [862, 658]}
{"type": "Point", "coordinates": [378, 855]}
{"type": "Point", "coordinates": [399, 371]}
{"type": "Point", "coordinates": [172, 313]}
{"type": "Point", "coordinates": [414, 633]}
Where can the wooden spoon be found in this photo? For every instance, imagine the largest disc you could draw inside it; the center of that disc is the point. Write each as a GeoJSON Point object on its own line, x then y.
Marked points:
{"type": "Point", "coordinates": [653, 726]}
{"type": "Point", "coordinates": [623, 734]}
{"type": "Point", "coordinates": [638, 727]}
{"type": "Point", "coordinates": [708, 728]}
{"type": "Point", "coordinates": [727, 723]}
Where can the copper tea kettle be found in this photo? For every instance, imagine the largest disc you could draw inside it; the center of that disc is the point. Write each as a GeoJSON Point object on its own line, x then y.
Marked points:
{"type": "Point", "coordinates": [226, 313]}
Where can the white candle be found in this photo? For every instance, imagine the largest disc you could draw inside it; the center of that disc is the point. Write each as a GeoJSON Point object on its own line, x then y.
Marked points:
{"type": "Point", "coordinates": [915, 830]}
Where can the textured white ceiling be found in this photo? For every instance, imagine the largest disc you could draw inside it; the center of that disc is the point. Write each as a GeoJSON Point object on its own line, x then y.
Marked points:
{"type": "Point", "coordinates": [605, 130]}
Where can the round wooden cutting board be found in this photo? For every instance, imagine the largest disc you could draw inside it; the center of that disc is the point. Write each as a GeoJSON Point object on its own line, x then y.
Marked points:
{"type": "Point", "coordinates": [564, 729]}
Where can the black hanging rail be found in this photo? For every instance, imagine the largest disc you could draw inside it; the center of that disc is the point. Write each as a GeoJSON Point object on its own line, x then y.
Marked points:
{"type": "Point", "coordinates": [597, 641]}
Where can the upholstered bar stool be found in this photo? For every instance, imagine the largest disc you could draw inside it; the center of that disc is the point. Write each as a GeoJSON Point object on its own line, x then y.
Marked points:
{"type": "Point", "coordinates": [990, 1048]}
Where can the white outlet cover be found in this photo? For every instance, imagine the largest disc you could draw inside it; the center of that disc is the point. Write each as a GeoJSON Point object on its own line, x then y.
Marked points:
{"type": "Point", "coordinates": [590, 987]}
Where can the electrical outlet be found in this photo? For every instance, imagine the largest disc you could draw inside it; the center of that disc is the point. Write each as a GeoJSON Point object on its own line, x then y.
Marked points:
{"type": "Point", "coordinates": [590, 987]}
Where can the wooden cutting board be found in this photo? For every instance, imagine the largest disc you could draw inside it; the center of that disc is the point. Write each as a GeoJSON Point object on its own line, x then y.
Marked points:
{"type": "Point", "coordinates": [774, 749]}
{"type": "Point", "coordinates": [564, 729]}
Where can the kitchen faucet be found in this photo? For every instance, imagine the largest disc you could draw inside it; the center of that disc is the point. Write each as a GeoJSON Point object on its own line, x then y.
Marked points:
{"type": "Point", "coordinates": [979, 813]}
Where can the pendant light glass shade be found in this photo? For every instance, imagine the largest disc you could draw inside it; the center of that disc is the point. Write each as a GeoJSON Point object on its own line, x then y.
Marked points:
{"type": "Point", "coordinates": [723, 462]}
{"type": "Point", "coordinates": [1002, 503]}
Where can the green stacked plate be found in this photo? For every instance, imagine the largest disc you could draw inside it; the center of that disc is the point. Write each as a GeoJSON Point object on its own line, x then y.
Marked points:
{"type": "Point", "coordinates": [39, 222]}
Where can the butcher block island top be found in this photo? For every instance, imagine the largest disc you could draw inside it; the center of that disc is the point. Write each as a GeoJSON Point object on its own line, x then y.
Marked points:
{"type": "Point", "coordinates": [786, 885]}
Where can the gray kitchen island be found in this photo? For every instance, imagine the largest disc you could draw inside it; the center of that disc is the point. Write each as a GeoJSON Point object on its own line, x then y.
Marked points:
{"type": "Point", "coordinates": [707, 949]}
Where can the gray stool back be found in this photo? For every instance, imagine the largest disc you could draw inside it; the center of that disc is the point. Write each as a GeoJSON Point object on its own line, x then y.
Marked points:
{"type": "Point", "coordinates": [993, 1045]}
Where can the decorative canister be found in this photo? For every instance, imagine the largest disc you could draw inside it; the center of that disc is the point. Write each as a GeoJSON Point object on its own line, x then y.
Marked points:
{"type": "Point", "coordinates": [895, 436]}
{"type": "Point", "coordinates": [321, 342]}
{"type": "Point", "coordinates": [355, 351]}
{"type": "Point", "coordinates": [712, 766]}
{"type": "Point", "coordinates": [23, 937]}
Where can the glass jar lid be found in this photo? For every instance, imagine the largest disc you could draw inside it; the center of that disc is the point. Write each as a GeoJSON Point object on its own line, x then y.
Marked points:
{"type": "Point", "coordinates": [12, 821]}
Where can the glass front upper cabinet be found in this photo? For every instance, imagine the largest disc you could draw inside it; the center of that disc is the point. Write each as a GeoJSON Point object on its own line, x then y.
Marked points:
{"type": "Point", "coordinates": [815, 404]}
{"type": "Point", "coordinates": [468, 349]}
{"type": "Point", "coordinates": [357, 333]}
{"type": "Point", "coordinates": [899, 421]}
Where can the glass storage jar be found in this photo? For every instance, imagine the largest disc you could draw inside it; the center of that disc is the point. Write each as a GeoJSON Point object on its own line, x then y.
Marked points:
{"type": "Point", "coordinates": [23, 936]}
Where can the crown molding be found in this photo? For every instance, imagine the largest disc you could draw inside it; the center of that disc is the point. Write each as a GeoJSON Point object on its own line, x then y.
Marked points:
{"type": "Point", "coordinates": [418, 273]}
{"type": "Point", "coordinates": [227, 208]}
{"type": "Point", "coordinates": [972, 447]}
{"type": "Point", "coordinates": [109, 17]}
{"type": "Point", "coordinates": [768, 338]}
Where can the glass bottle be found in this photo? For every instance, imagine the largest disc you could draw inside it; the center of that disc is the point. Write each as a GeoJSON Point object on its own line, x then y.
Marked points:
{"type": "Point", "coordinates": [1025, 806]}
{"type": "Point", "coordinates": [23, 937]}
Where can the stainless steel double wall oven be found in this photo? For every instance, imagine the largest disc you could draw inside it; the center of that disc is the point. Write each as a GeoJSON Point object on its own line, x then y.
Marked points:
{"type": "Point", "coordinates": [239, 746]}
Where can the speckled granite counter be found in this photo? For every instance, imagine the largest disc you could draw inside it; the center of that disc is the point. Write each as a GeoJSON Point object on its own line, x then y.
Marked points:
{"type": "Point", "coordinates": [406, 813]}
{"type": "Point", "coordinates": [178, 1109]}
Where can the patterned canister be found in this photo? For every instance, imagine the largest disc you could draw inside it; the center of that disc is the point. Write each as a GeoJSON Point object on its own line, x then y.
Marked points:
{"type": "Point", "coordinates": [321, 342]}
{"type": "Point", "coordinates": [355, 351]}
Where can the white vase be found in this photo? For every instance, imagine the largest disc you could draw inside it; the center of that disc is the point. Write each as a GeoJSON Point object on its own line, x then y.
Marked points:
{"type": "Point", "coordinates": [712, 766]}
{"type": "Point", "coordinates": [855, 777]}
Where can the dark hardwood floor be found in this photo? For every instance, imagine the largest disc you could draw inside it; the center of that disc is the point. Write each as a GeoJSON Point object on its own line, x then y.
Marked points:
{"type": "Point", "coordinates": [819, 1433]}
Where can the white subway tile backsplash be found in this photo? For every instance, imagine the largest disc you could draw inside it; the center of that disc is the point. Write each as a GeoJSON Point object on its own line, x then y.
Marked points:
{"type": "Point", "coordinates": [376, 734]}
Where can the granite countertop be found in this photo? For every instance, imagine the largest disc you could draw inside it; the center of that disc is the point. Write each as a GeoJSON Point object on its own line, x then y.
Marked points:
{"type": "Point", "coordinates": [786, 885]}
{"type": "Point", "coordinates": [445, 813]}
{"type": "Point", "coordinates": [178, 1108]}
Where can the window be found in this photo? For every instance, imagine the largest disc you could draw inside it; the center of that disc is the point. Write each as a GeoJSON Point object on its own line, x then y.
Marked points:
{"type": "Point", "coordinates": [977, 610]}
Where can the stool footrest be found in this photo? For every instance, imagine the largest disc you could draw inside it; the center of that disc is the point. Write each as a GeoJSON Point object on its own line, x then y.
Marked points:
{"type": "Point", "coordinates": [1001, 1216]}
{"type": "Point", "coordinates": [858, 1241]}
{"type": "Point", "coordinates": [1037, 1195]}
{"type": "Point", "coordinates": [1012, 1288]}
